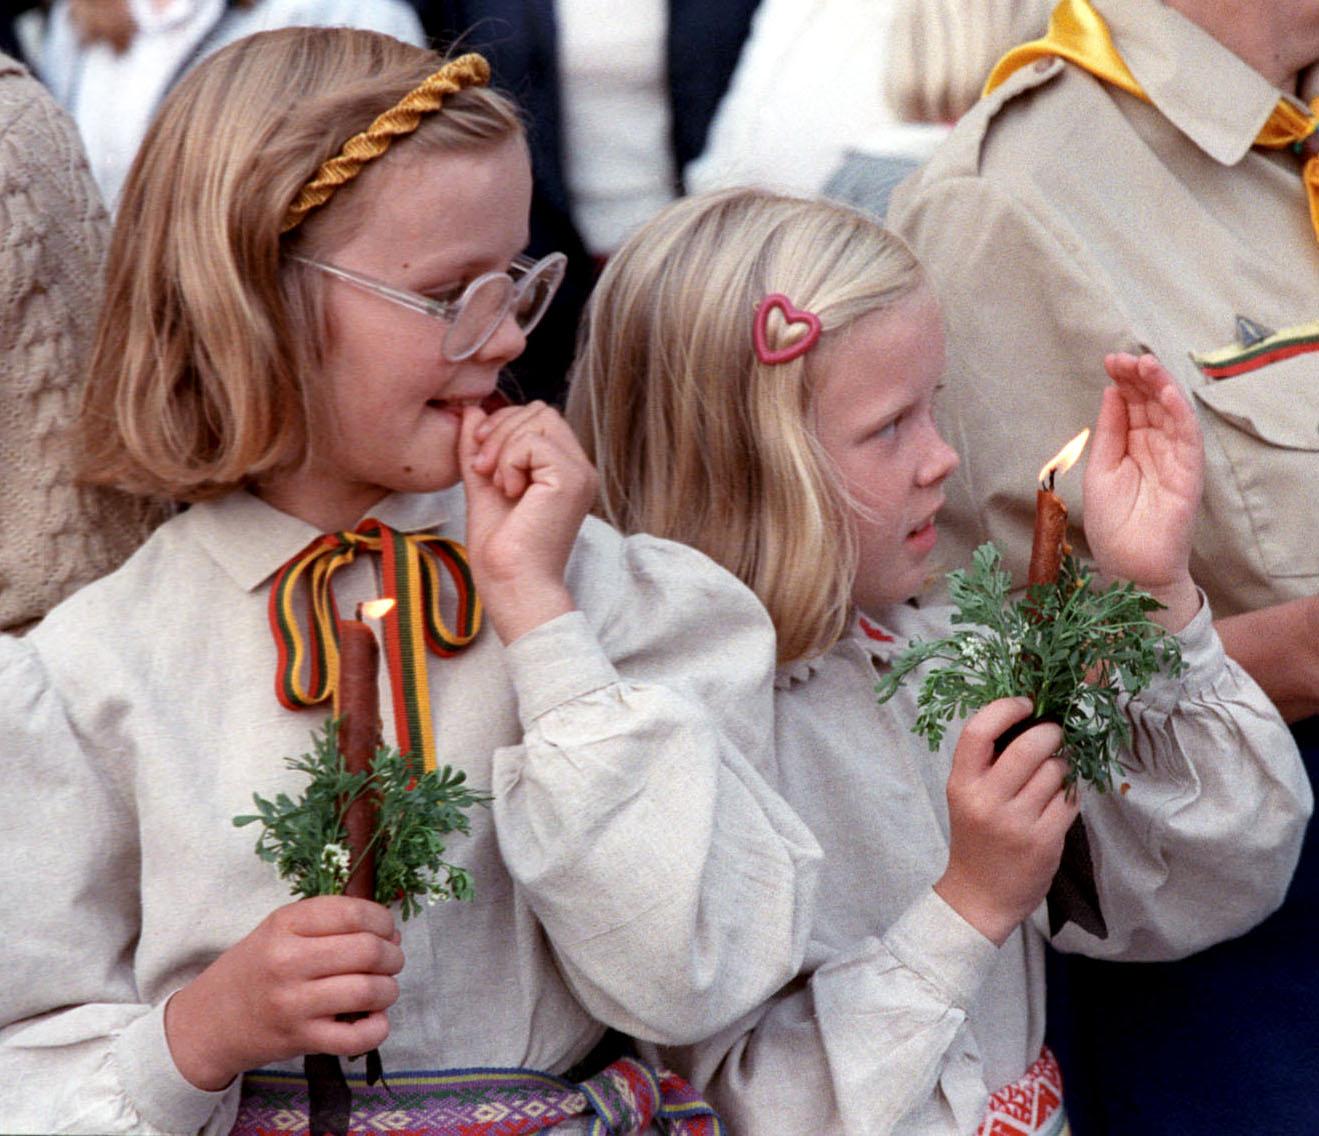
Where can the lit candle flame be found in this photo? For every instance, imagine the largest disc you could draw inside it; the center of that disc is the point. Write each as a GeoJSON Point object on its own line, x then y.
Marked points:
{"type": "Point", "coordinates": [375, 609]}
{"type": "Point", "coordinates": [1064, 459]}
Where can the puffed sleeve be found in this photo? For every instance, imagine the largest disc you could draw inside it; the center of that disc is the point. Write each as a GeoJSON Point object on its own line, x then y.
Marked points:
{"type": "Point", "coordinates": [676, 887]}
{"type": "Point", "coordinates": [871, 1042]}
{"type": "Point", "coordinates": [78, 1051]}
{"type": "Point", "coordinates": [1204, 843]}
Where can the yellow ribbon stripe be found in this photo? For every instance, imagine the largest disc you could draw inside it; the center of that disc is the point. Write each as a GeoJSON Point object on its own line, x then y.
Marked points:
{"type": "Point", "coordinates": [1079, 34]}
{"type": "Point", "coordinates": [410, 571]}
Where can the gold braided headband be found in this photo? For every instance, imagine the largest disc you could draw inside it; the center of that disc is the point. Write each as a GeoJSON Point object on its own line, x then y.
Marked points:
{"type": "Point", "coordinates": [402, 118]}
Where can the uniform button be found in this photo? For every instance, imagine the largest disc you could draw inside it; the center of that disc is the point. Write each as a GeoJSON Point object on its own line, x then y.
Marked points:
{"type": "Point", "coordinates": [1044, 63]}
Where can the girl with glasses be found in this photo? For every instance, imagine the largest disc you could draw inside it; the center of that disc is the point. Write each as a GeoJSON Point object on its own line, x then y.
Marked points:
{"type": "Point", "coordinates": [313, 284]}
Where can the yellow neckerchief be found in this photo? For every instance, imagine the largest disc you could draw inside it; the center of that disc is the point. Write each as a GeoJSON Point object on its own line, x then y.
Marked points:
{"type": "Point", "coordinates": [1078, 34]}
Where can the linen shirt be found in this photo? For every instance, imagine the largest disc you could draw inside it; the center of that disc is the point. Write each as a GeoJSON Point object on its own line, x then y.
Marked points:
{"type": "Point", "coordinates": [633, 868]}
{"type": "Point", "coordinates": [1065, 219]}
{"type": "Point", "coordinates": [905, 1017]}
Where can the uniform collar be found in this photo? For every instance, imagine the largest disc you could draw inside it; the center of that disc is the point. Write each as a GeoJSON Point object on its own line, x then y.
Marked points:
{"type": "Point", "coordinates": [252, 540]}
{"type": "Point", "coordinates": [1211, 95]}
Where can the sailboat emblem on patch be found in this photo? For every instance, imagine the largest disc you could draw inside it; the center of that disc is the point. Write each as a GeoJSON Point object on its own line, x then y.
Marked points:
{"type": "Point", "coordinates": [1257, 346]}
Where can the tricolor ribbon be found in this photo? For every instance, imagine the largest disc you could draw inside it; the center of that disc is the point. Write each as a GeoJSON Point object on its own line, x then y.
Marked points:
{"type": "Point", "coordinates": [411, 564]}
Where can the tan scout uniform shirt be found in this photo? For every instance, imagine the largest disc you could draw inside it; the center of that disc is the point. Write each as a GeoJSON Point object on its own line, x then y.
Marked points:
{"type": "Point", "coordinates": [633, 869]}
{"type": "Point", "coordinates": [905, 1017]}
{"type": "Point", "coordinates": [1065, 219]}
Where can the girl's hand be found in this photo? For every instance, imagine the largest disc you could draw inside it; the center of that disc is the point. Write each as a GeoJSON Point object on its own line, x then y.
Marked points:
{"type": "Point", "coordinates": [275, 993]}
{"type": "Point", "coordinates": [529, 486]}
{"type": "Point", "coordinates": [1007, 819]}
{"type": "Point", "coordinates": [1142, 485]}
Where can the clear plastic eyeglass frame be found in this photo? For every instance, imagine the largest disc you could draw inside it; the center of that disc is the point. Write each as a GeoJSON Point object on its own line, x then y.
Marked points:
{"type": "Point", "coordinates": [525, 290]}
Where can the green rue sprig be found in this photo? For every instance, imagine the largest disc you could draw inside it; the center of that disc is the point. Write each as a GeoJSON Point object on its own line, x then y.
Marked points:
{"type": "Point", "coordinates": [306, 839]}
{"type": "Point", "coordinates": [1070, 647]}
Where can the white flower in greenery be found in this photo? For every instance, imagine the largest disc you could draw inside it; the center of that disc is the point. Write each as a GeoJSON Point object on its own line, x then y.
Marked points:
{"type": "Point", "coordinates": [973, 650]}
{"type": "Point", "coordinates": [335, 859]}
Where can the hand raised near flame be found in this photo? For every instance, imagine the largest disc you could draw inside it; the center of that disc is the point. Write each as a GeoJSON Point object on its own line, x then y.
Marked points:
{"type": "Point", "coordinates": [1143, 483]}
{"type": "Point", "coordinates": [529, 486]}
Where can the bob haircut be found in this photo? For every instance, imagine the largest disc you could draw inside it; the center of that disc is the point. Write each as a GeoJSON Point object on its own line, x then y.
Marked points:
{"type": "Point", "coordinates": [697, 440]}
{"type": "Point", "coordinates": [203, 370]}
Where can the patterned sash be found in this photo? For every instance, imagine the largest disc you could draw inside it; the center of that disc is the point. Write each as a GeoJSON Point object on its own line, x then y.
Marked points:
{"type": "Point", "coordinates": [624, 1098]}
{"type": "Point", "coordinates": [1031, 1106]}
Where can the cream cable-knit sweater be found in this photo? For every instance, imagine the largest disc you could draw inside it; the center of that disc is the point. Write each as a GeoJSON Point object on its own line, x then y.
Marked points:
{"type": "Point", "coordinates": [54, 537]}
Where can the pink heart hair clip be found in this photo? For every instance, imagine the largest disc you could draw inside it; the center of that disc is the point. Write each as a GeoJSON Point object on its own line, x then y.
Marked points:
{"type": "Point", "coordinates": [794, 316]}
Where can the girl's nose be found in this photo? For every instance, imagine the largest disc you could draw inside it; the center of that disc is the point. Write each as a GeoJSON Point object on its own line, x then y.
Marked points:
{"type": "Point", "coordinates": [940, 460]}
{"type": "Point", "coordinates": [506, 343]}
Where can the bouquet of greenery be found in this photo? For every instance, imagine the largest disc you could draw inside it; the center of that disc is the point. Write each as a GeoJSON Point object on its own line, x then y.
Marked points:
{"type": "Point", "coordinates": [306, 839]}
{"type": "Point", "coordinates": [1070, 647]}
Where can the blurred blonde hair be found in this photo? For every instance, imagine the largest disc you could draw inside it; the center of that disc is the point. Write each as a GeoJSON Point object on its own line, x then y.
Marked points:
{"type": "Point", "coordinates": [210, 339]}
{"type": "Point", "coordinates": [697, 440]}
{"type": "Point", "coordinates": [941, 51]}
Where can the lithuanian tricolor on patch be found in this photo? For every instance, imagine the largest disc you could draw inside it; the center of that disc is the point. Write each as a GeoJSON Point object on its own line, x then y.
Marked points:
{"type": "Point", "coordinates": [1252, 352]}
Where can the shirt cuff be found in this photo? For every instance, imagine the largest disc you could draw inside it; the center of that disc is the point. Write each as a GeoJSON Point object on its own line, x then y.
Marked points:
{"type": "Point", "coordinates": [932, 940]}
{"type": "Point", "coordinates": [555, 663]}
{"type": "Point", "coordinates": [163, 1097]}
{"type": "Point", "coordinates": [1203, 661]}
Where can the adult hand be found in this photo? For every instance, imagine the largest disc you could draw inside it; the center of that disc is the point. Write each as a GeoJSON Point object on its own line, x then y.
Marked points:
{"type": "Point", "coordinates": [529, 486]}
{"type": "Point", "coordinates": [1007, 818]}
{"type": "Point", "coordinates": [275, 994]}
{"type": "Point", "coordinates": [1142, 485]}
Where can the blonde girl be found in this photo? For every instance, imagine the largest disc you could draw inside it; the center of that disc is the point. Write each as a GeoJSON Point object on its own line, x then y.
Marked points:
{"type": "Point", "coordinates": [314, 281]}
{"type": "Point", "coordinates": [758, 379]}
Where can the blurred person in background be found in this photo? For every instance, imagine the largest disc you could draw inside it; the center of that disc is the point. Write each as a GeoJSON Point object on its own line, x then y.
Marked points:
{"type": "Point", "coordinates": [53, 233]}
{"type": "Point", "coordinates": [849, 96]}
{"type": "Point", "coordinates": [110, 62]}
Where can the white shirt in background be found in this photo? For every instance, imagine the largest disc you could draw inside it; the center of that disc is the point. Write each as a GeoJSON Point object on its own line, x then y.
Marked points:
{"type": "Point", "coordinates": [808, 88]}
{"type": "Point", "coordinates": [618, 149]}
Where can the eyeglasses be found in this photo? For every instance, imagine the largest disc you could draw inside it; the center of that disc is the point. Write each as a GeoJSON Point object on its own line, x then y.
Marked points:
{"type": "Point", "coordinates": [525, 290]}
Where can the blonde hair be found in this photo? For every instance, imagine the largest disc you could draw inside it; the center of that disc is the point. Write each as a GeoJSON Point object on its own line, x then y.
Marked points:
{"type": "Point", "coordinates": [694, 437]}
{"type": "Point", "coordinates": [209, 338]}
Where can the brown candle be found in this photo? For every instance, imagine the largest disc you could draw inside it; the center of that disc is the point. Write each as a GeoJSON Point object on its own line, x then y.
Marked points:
{"type": "Point", "coordinates": [1049, 543]}
{"type": "Point", "coordinates": [359, 736]}
{"type": "Point", "coordinates": [1046, 549]}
